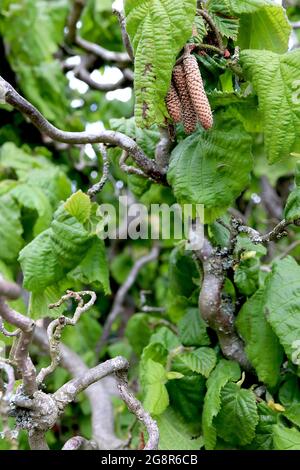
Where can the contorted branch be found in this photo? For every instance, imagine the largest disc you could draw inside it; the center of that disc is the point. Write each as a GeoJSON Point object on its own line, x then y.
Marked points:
{"type": "Point", "coordinates": [68, 392]}
{"type": "Point", "coordinates": [74, 16]}
{"type": "Point", "coordinates": [214, 310]}
{"type": "Point", "coordinates": [278, 232]}
{"type": "Point", "coordinates": [20, 355]}
{"type": "Point", "coordinates": [56, 326]}
{"type": "Point", "coordinates": [10, 96]}
{"type": "Point", "coordinates": [163, 149]}
{"type": "Point", "coordinates": [121, 294]}
{"type": "Point", "coordinates": [96, 188]}
{"type": "Point", "coordinates": [99, 394]}
{"type": "Point", "coordinates": [136, 408]}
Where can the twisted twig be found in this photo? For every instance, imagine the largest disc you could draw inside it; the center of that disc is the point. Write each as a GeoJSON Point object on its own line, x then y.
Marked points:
{"type": "Point", "coordinates": [56, 326]}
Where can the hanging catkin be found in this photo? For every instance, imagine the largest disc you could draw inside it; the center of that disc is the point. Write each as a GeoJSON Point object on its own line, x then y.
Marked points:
{"type": "Point", "coordinates": [197, 93]}
{"type": "Point", "coordinates": [173, 104]}
{"type": "Point", "coordinates": [189, 116]}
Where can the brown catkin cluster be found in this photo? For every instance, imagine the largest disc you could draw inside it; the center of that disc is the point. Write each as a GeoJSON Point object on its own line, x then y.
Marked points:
{"type": "Point", "coordinates": [187, 100]}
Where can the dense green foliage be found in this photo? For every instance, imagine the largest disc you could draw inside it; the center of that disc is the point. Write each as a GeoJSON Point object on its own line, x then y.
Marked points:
{"type": "Point", "coordinates": [49, 226]}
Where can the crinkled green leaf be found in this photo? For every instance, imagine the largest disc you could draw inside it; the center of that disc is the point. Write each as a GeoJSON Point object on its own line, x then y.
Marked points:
{"type": "Point", "coordinates": [274, 78]}
{"type": "Point", "coordinates": [292, 207]}
{"type": "Point", "coordinates": [175, 433]}
{"type": "Point", "coordinates": [202, 360]}
{"type": "Point", "coordinates": [268, 29]}
{"type": "Point", "coordinates": [282, 304]}
{"type": "Point", "coordinates": [145, 138]}
{"type": "Point", "coordinates": [54, 252]}
{"type": "Point", "coordinates": [264, 430]}
{"type": "Point", "coordinates": [238, 417]}
{"type": "Point", "coordinates": [10, 228]}
{"type": "Point", "coordinates": [212, 167]}
{"type": "Point", "coordinates": [34, 198]}
{"type": "Point", "coordinates": [79, 206]}
{"type": "Point", "coordinates": [138, 332]}
{"type": "Point", "coordinates": [93, 269]}
{"type": "Point", "coordinates": [158, 30]}
{"type": "Point", "coordinates": [192, 329]}
{"type": "Point", "coordinates": [186, 397]}
{"type": "Point", "coordinates": [262, 345]}
{"type": "Point", "coordinates": [224, 372]}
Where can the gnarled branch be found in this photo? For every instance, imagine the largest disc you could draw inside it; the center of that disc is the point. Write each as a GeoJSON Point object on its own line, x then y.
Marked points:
{"type": "Point", "coordinates": [10, 96]}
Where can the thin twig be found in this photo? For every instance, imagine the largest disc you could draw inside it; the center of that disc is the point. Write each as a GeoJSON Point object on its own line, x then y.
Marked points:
{"type": "Point", "coordinates": [121, 294]}
{"type": "Point", "coordinates": [125, 37]}
{"type": "Point", "coordinates": [21, 355]}
{"type": "Point", "coordinates": [96, 188]}
{"type": "Point", "coordinates": [129, 169]}
{"type": "Point", "coordinates": [56, 326]}
{"type": "Point", "coordinates": [137, 409]}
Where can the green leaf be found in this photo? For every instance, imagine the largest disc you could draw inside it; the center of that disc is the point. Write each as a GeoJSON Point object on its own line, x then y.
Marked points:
{"type": "Point", "coordinates": [138, 332]}
{"type": "Point", "coordinates": [192, 329]}
{"type": "Point", "coordinates": [267, 29]}
{"type": "Point", "coordinates": [186, 397]}
{"type": "Point", "coordinates": [282, 303]}
{"type": "Point", "coordinates": [166, 338]}
{"type": "Point", "coordinates": [274, 77]}
{"type": "Point", "coordinates": [93, 269]}
{"type": "Point", "coordinates": [262, 346]}
{"type": "Point", "coordinates": [32, 31]}
{"type": "Point", "coordinates": [156, 396]}
{"type": "Point", "coordinates": [289, 393]}
{"type": "Point", "coordinates": [238, 7]}
{"type": "Point", "coordinates": [79, 206]}
{"type": "Point", "coordinates": [147, 139]}
{"type": "Point", "coordinates": [182, 269]}
{"type": "Point", "coordinates": [202, 360]}
{"type": "Point", "coordinates": [264, 430]}
{"type": "Point", "coordinates": [238, 417]}
{"type": "Point", "coordinates": [228, 27]}
{"type": "Point", "coordinates": [21, 161]}
{"type": "Point", "coordinates": [40, 301]}
{"type": "Point", "coordinates": [54, 252]}
{"type": "Point", "coordinates": [292, 413]}
{"type": "Point", "coordinates": [10, 229]}
{"type": "Point", "coordinates": [292, 207]}
{"type": "Point", "coordinates": [212, 167]}
{"type": "Point", "coordinates": [246, 276]}
{"type": "Point", "coordinates": [35, 199]}
{"type": "Point", "coordinates": [40, 265]}
{"type": "Point", "coordinates": [286, 438]}
{"type": "Point", "coordinates": [158, 30]}
{"type": "Point", "coordinates": [175, 434]}
{"type": "Point", "coordinates": [224, 372]}
{"type": "Point", "coordinates": [53, 181]}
